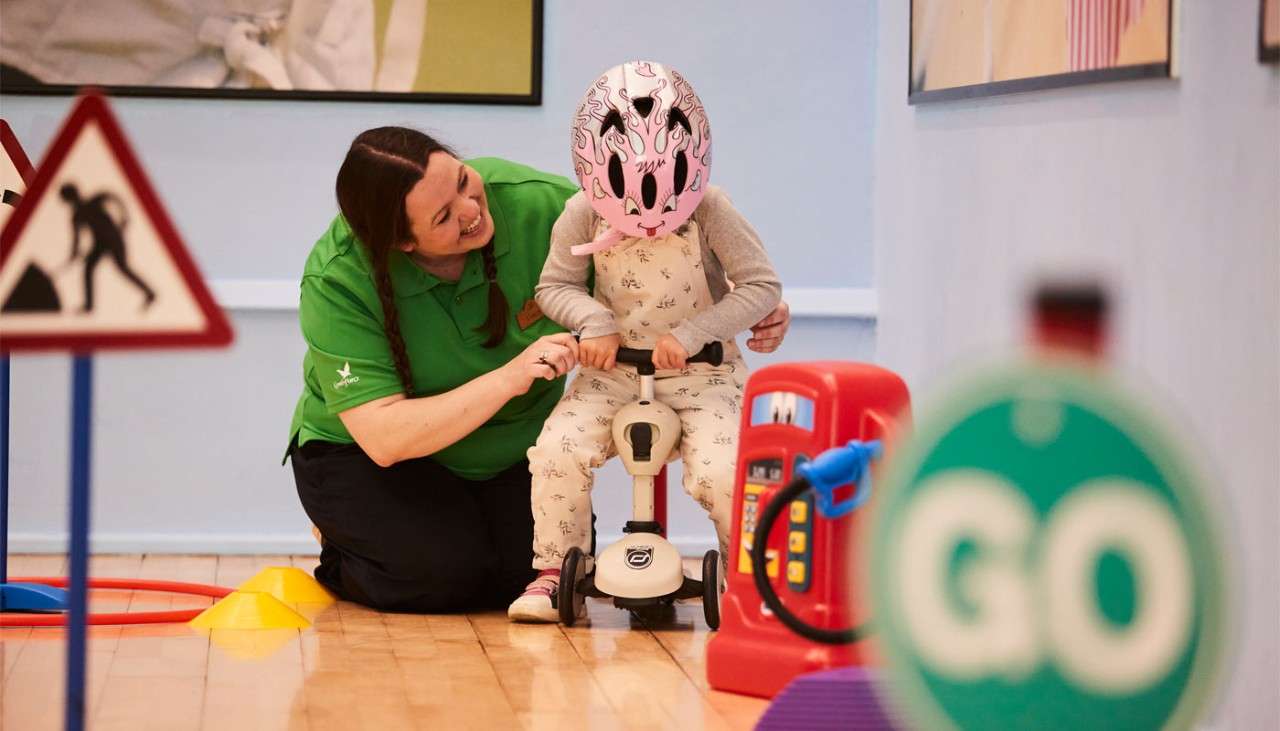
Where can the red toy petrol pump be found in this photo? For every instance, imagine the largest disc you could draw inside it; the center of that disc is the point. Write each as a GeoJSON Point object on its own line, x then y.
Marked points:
{"type": "Point", "coordinates": [792, 413]}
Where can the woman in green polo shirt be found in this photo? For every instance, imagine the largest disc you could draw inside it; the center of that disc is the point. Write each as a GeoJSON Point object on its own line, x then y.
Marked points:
{"type": "Point", "coordinates": [428, 374]}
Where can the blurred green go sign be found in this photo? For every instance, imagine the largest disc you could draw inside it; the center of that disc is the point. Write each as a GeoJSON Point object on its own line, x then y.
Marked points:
{"type": "Point", "coordinates": [1041, 559]}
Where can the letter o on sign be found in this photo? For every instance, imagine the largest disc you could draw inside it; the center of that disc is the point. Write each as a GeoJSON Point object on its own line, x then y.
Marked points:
{"type": "Point", "coordinates": [1125, 517]}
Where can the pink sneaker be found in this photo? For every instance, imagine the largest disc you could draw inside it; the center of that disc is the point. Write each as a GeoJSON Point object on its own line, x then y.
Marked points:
{"type": "Point", "coordinates": [538, 602]}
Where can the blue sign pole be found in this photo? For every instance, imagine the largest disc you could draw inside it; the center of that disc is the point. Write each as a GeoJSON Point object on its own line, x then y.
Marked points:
{"type": "Point", "coordinates": [81, 411]}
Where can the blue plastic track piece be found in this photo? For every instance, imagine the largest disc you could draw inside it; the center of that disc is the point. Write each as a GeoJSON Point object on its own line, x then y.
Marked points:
{"type": "Point", "coordinates": [840, 466]}
{"type": "Point", "coordinates": [15, 597]}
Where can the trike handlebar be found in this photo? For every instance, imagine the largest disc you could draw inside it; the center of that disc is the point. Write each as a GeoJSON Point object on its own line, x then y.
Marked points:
{"type": "Point", "coordinates": [712, 353]}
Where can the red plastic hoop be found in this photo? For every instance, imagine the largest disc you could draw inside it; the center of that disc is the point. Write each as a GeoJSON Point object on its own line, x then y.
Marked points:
{"type": "Point", "coordinates": [59, 620]}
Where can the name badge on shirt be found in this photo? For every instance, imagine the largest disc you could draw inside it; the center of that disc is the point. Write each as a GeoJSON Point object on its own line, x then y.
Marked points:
{"type": "Point", "coordinates": [528, 314]}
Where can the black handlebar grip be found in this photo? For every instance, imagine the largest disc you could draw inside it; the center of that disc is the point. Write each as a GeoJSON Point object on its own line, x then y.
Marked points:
{"type": "Point", "coordinates": [712, 353]}
{"type": "Point", "coordinates": [634, 356]}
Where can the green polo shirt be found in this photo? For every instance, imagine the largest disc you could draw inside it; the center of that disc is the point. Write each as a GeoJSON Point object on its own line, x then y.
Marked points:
{"type": "Point", "coordinates": [348, 360]}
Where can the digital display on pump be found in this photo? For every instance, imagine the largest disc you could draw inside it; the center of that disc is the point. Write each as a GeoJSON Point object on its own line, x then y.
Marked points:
{"type": "Point", "coordinates": [765, 470]}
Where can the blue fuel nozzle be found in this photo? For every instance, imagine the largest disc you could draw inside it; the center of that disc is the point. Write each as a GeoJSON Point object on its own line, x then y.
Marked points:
{"type": "Point", "coordinates": [839, 466]}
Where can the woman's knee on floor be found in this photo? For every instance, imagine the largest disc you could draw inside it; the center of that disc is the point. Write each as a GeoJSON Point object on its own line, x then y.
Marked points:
{"type": "Point", "coordinates": [447, 583]}
{"type": "Point", "coordinates": [437, 566]}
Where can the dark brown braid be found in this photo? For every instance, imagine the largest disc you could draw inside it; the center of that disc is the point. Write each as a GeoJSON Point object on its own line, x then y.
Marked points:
{"type": "Point", "coordinates": [391, 323]}
{"type": "Point", "coordinates": [380, 169]}
{"type": "Point", "coordinates": [495, 325]}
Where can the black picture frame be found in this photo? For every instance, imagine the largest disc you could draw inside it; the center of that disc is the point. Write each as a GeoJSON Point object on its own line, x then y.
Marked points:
{"type": "Point", "coordinates": [1266, 54]}
{"type": "Point", "coordinates": [20, 84]}
{"type": "Point", "coordinates": [1037, 83]}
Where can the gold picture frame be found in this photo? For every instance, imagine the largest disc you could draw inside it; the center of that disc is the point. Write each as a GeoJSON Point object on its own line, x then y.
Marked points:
{"type": "Point", "coordinates": [457, 51]}
{"type": "Point", "coordinates": [970, 48]}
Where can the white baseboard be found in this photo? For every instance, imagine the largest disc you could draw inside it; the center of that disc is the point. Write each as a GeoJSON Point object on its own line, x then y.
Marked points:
{"type": "Point", "coordinates": [256, 294]}
{"type": "Point", "coordinates": [282, 295]}
{"type": "Point", "coordinates": [241, 544]}
{"type": "Point", "coordinates": [850, 302]}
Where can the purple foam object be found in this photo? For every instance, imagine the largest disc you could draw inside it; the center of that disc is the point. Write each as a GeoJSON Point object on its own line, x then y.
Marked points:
{"type": "Point", "coordinates": [845, 698]}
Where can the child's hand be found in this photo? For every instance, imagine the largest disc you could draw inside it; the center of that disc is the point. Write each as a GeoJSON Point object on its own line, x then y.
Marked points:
{"type": "Point", "coordinates": [600, 352]}
{"type": "Point", "coordinates": [669, 353]}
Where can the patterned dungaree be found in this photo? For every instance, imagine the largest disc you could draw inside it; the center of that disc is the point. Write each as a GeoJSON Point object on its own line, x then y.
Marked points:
{"type": "Point", "coordinates": [651, 285]}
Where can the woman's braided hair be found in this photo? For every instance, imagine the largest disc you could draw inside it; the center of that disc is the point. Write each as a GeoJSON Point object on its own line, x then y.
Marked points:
{"type": "Point", "coordinates": [495, 325]}
{"type": "Point", "coordinates": [380, 169]}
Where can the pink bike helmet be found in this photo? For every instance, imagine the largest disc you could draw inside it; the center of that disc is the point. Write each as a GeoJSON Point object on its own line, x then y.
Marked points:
{"type": "Point", "coordinates": [641, 150]}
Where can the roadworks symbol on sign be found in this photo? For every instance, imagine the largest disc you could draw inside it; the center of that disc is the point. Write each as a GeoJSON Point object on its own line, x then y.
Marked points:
{"type": "Point", "coordinates": [90, 259]}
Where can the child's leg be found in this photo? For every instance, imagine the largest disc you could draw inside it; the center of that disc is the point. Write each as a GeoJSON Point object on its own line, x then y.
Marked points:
{"type": "Point", "coordinates": [575, 440]}
{"type": "Point", "coordinates": [709, 406]}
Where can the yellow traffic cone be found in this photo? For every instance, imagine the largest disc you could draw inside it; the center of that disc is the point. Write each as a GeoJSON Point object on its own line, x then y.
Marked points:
{"type": "Point", "coordinates": [288, 584]}
{"type": "Point", "coordinates": [250, 644]}
{"type": "Point", "coordinates": [249, 610]}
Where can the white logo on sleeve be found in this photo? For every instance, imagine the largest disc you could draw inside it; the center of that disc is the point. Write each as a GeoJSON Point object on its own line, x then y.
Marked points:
{"type": "Point", "coordinates": [346, 379]}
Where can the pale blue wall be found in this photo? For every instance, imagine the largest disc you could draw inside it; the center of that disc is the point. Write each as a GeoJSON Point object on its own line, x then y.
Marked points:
{"type": "Point", "coordinates": [789, 94]}
{"type": "Point", "coordinates": [1168, 191]}
{"type": "Point", "coordinates": [187, 446]}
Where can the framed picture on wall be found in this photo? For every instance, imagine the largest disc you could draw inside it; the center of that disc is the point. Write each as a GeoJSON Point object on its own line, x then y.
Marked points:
{"type": "Point", "coordinates": [1269, 31]}
{"type": "Point", "coordinates": [966, 48]}
{"type": "Point", "coordinates": [479, 51]}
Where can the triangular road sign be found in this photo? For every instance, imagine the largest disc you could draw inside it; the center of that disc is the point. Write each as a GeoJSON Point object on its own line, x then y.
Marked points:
{"type": "Point", "coordinates": [15, 172]}
{"type": "Point", "coordinates": [89, 260]}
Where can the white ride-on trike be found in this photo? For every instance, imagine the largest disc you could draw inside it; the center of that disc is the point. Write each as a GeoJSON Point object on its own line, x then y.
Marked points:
{"type": "Point", "coordinates": [643, 572]}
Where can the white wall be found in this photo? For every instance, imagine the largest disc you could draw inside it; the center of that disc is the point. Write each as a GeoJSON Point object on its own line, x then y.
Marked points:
{"type": "Point", "coordinates": [187, 447]}
{"type": "Point", "coordinates": [1170, 190]}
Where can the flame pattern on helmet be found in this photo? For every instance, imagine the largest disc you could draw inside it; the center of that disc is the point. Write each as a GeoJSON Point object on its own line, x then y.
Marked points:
{"type": "Point", "coordinates": [643, 164]}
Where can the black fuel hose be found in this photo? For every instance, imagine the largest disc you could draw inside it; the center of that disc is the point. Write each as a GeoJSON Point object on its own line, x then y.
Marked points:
{"type": "Point", "coordinates": [793, 490]}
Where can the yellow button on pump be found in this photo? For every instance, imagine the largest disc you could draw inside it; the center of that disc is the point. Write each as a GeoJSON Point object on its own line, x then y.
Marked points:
{"type": "Point", "coordinates": [796, 541]}
{"type": "Point", "coordinates": [795, 572]}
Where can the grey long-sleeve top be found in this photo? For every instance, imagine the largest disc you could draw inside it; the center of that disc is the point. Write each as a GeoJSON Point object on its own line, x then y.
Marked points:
{"type": "Point", "coordinates": [731, 252]}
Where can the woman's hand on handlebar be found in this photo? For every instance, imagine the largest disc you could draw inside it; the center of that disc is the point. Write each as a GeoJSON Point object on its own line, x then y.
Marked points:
{"type": "Point", "coordinates": [668, 353]}
{"type": "Point", "coordinates": [548, 357]}
{"type": "Point", "coordinates": [600, 352]}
